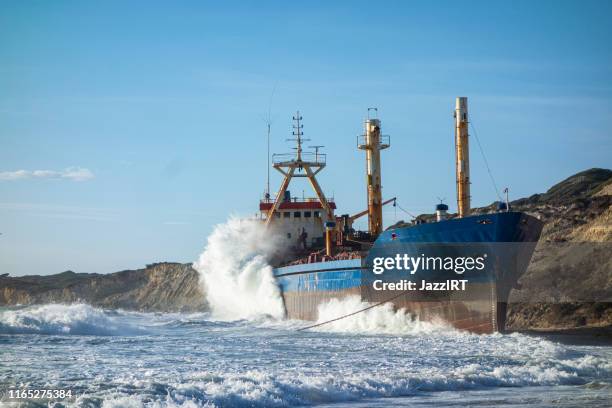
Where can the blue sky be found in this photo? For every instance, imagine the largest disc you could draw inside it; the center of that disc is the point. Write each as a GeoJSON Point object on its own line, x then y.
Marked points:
{"type": "Point", "coordinates": [138, 125]}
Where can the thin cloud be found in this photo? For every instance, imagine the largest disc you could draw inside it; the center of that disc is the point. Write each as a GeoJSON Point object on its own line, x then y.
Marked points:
{"type": "Point", "coordinates": [70, 173]}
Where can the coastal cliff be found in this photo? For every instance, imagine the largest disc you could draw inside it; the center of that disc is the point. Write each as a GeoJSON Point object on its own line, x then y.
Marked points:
{"type": "Point", "coordinates": [163, 287]}
{"type": "Point", "coordinates": [569, 281]}
{"type": "Point", "coordinates": [567, 285]}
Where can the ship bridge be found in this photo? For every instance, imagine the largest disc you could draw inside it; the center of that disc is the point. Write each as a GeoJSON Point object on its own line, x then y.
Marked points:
{"type": "Point", "coordinates": [300, 220]}
{"type": "Point", "coordinates": [304, 220]}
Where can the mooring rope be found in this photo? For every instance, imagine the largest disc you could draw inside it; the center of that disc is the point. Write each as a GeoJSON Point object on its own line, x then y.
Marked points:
{"type": "Point", "coordinates": [354, 313]}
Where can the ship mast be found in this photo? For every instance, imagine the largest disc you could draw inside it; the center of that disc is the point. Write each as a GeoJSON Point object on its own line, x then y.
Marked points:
{"type": "Point", "coordinates": [462, 157]}
{"type": "Point", "coordinates": [293, 166]}
{"type": "Point", "coordinates": [373, 142]}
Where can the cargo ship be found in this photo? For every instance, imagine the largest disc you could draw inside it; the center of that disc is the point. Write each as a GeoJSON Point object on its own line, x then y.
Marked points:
{"type": "Point", "coordinates": [328, 259]}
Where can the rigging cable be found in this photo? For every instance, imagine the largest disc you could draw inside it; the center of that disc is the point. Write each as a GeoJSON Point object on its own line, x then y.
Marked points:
{"type": "Point", "coordinates": [406, 211]}
{"type": "Point", "coordinates": [485, 161]}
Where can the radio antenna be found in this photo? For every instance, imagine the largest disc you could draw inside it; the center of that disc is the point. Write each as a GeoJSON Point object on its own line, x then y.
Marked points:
{"type": "Point", "coordinates": [317, 147]}
{"type": "Point", "coordinates": [268, 120]}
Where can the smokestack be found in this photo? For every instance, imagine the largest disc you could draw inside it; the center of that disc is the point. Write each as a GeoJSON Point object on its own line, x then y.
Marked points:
{"type": "Point", "coordinates": [373, 143]}
{"type": "Point", "coordinates": [462, 157]}
{"type": "Point", "coordinates": [329, 228]}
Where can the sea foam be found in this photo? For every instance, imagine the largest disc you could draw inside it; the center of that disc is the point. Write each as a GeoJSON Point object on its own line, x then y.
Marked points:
{"type": "Point", "coordinates": [242, 364]}
{"type": "Point", "coordinates": [79, 319]}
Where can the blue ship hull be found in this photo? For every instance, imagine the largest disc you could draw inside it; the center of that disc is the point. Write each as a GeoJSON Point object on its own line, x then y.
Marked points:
{"type": "Point", "coordinates": [507, 238]}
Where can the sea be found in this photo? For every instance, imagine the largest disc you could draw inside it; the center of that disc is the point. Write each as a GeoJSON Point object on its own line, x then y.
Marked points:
{"type": "Point", "coordinates": [243, 353]}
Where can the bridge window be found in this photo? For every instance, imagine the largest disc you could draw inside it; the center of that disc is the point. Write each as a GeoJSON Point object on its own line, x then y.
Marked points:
{"type": "Point", "coordinates": [286, 214]}
{"type": "Point", "coordinates": [297, 214]}
{"type": "Point", "coordinates": [317, 214]}
{"type": "Point", "coordinates": [307, 214]}
{"type": "Point", "coordinates": [277, 214]}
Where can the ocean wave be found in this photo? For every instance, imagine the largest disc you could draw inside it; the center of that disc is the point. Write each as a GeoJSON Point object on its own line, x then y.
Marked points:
{"type": "Point", "coordinates": [196, 361]}
{"type": "Point", "coordinates": [262, 389]}
{"type": "Point", "coordinates": [385, 367]}
{"type": "Point", "coordinates": [73, 319]}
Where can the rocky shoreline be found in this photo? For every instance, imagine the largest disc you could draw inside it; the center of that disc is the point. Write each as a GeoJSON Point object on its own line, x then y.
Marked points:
{"type": "Point", "coordinates": [568, 284]}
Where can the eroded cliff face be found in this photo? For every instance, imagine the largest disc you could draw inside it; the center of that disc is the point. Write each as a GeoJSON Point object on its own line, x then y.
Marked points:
{"type": "Point", "coordinates": [569, 281]}
{"type": "Point", "coordinates": [167, 287]}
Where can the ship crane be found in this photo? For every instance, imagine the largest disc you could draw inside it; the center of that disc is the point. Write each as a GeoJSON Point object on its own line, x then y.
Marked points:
{"type": "Point", "coordinates": [300, 164]}
{"type": "Point", "coordinates": [351, 219]}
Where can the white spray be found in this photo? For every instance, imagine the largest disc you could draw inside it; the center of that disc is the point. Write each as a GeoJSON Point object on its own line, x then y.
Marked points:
{"type": "Point", "coordinates": [382, 319]}
{"type": "Point", "coordinates": [235, 272]}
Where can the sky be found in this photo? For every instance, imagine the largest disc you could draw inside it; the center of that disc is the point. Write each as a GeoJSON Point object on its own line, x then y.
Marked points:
{"type": "Point", "coordinates": [129, 129]}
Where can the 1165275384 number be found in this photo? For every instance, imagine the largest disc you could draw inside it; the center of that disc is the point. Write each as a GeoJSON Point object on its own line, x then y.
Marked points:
{"type": "Point", "coordinates": [21, 394]}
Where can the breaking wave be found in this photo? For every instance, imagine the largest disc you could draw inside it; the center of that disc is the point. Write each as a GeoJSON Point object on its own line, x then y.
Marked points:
{"type": "Point", "coordinates": [235, 272]}
{"type": "Point", "coordinates": [382, 319]}
{"type": "Point", "coordinates": [74, 319]}
{"type": "Point", "coordinates": [309, 389]}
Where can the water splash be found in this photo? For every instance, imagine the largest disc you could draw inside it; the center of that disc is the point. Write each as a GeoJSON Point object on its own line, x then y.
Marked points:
{"type": "Point", "coordinates": [381, 319]}
{"type": "Point", "coordinates": [235, 272]}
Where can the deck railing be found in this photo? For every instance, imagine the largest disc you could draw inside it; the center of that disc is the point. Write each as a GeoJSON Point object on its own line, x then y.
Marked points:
{"type": "Point", "coordinates": [309, 157]}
